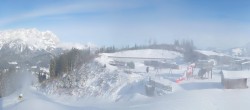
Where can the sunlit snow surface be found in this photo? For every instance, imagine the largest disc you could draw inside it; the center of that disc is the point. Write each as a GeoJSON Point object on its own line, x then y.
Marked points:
{"type": "Point", "coordinates": [192, 94]}
{"type": "Point", "coordinates": [211, 53]}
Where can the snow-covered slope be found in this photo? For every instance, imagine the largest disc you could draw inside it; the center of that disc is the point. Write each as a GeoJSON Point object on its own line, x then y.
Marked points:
{"type": "Point", "coordinates": [119, 90]}
{"type": "Point", "coordinates": [211, 53]}
{"type": "Point", "coordinates": [109, 82]}
{"type": "Point", "coordinates": [195, 94]}
{"type": "Point", "coordinates": [147, 53]}
{"type": "Point", "coordinates": [32, 39]}
{"type": "Point", "coordinates": [33, 99]}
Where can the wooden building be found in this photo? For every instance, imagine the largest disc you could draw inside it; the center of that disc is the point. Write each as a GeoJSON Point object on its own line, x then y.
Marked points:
{"type": "Point", "coordinates": [235, 79]}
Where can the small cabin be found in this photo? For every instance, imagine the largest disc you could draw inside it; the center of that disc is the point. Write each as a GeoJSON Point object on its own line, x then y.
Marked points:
{"type": "Point", "coordinates": [235, 79]}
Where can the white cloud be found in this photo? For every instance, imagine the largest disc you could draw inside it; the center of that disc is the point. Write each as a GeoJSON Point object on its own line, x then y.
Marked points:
{"type": "Point", "coordinates": [69, 8]}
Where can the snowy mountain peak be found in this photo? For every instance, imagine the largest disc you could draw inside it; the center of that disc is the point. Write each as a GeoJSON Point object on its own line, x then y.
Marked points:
{"type": "Point", "coordinates": [32, 39]}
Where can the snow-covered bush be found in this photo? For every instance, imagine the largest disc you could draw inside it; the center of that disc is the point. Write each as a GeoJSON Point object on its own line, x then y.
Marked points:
{"type": "Point", "coordinates": [91, 80]}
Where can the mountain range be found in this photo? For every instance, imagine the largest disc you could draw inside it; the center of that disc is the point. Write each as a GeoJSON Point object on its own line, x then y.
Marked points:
{"type": "Point", "coordinates": [31, 47]}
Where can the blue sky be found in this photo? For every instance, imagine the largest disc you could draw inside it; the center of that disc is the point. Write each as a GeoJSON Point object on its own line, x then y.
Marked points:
{"type": "Point", "coordinates": [209, 23]}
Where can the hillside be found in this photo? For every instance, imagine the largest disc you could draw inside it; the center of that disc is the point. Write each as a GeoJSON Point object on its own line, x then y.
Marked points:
{"type": "Point", "coordinates": [110, 82]}
{"type": "Point", "coordinates": [113, 81]}
{"type": "Point", "coordinates": [98, 87]}
{"type": "Point", "coordinates": [207, 94]}
{"type": "Point", "coordinates": [147, 53]}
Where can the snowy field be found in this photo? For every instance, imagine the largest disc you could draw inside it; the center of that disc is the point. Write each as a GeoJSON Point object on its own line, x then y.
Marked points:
{"type": "Point", "coordinates": [206, 94]}
{"type": "Point", "coordinates": [191, 94]}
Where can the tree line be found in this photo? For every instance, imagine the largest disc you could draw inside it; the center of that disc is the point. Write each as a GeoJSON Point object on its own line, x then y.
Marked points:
{"type": "Point", "coordinates": [186, 47]}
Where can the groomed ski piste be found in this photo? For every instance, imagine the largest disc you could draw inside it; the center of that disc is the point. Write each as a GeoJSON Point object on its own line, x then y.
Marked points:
{"type": "Point", "coordinates": [189, 94]}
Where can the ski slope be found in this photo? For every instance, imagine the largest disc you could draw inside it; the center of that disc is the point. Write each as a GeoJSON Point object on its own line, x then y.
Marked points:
{"type": "Point", "coordinates": [146, 53]}
{"type": "Point", "coordinates": [128, 92]}
{"type": "Point", "coordinates": [192, 94]}
{"type": "Point", "coordinates": [206, 94]}
{"type": "Point", "coordinates": [211, 53]}
{"type": "Point", "coordinates": [36, 101]}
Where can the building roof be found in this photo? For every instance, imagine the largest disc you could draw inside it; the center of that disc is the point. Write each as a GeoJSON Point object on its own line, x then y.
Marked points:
{"type": "Point", "coordinates": [236, 74]}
